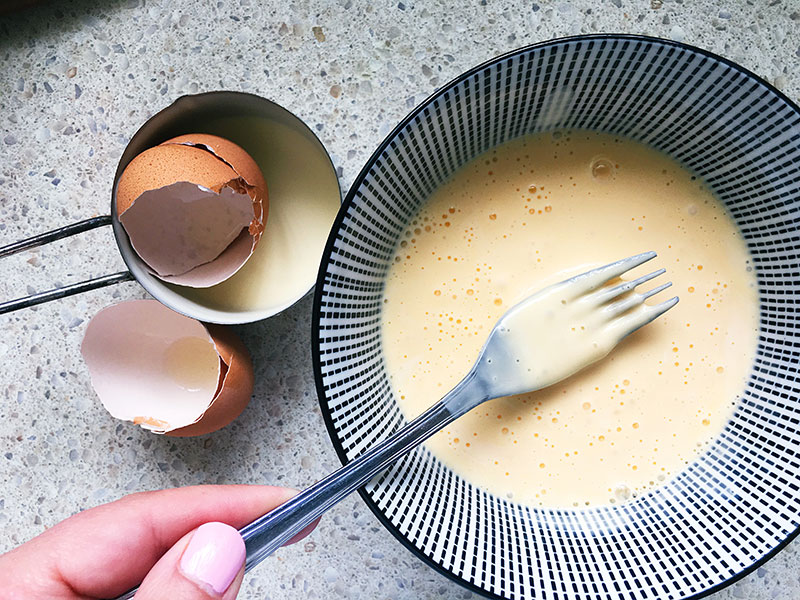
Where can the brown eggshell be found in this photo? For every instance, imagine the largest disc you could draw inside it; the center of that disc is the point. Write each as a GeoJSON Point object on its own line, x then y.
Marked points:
{"type": "Point", "coordinates": [236, 385]}
{"type": "Point", "coordinates": [241, 162]}
{"type": "Point", "coordinates": [164, 165]}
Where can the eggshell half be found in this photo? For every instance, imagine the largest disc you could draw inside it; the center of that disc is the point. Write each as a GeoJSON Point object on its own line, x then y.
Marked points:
{"type": "Point", "coordinates": [166, 372]}
{"type": "Point", "coordinates": [190, 214]}
{"type": "Point", "coordinates": [236, 385]}
{"type": "Point", "coordinates": [166, 164]}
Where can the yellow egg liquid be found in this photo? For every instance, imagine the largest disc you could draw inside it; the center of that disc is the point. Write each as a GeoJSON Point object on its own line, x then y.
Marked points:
{"type": "Point", "coordinates": [533, 212]}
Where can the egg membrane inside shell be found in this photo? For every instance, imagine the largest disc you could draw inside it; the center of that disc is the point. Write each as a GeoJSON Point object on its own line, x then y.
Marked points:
{"type": "Point", "coordinates": [179, 229]}
{"type": "Point", "coordinates": [236, 384]}
{"type": "Point", "coordinates": [189, 213]}
{"type": "Point", "coordinates": [157, 368]}
{"type": "Point", "coordinates": [245, 166]}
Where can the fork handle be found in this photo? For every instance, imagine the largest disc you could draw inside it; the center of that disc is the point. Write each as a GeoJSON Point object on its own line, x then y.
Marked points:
{"type": "Point", "coordinates": [271, 531]}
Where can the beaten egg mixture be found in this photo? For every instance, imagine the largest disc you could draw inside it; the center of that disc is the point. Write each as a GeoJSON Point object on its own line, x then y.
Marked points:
{"type": "Point", "coordinates": [536, 211]}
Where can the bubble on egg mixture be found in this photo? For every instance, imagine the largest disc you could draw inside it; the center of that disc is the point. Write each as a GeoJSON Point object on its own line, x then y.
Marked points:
{"type": "Point", "coordinates": [602, 169]}
{"type": "Point", "coordinates": [622, 493]}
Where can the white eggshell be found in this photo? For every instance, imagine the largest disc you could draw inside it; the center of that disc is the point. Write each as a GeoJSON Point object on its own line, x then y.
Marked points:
{"type": "Point", "coordinates": [151, 365]}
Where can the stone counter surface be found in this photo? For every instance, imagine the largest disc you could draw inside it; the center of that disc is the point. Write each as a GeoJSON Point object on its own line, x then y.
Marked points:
{"type": "Point", "coordinates": [78, 80]}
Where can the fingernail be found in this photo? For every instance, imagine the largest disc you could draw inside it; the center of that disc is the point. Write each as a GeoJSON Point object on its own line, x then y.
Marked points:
{"type": "Point", "coordinates": [214, 556]}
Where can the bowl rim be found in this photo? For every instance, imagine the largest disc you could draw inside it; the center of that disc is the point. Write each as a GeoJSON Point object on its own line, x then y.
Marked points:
{"type": "Point", "coordinates": [350, 199]}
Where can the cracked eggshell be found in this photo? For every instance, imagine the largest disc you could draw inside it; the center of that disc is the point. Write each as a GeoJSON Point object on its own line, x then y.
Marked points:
{"type": "Point", "coordinates": [166, 372]}
{"type": "Point", "coordinates": [241, 162]}
{"type": "Point", "coordinates": [194, 208]}
{"type": "Point", "coordinates": [236, 387]}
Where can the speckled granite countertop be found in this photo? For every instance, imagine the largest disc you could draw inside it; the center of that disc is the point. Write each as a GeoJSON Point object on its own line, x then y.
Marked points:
{"type": "Point", "coordinates": [78, 80]}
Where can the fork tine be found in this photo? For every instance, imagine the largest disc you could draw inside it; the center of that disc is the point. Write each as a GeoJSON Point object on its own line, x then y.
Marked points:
{"type": "Point", "coordinates": [619, 307]}
{"type": "Point", "coordinates": [629, 323]}
{"type": "Point", "coordinates": [626, 286]}
{"type": "Point", "coordinates": [593, 279]}
{"type": "Point", "coordinates": [655, 290]}
{"type": "Point", "coordinates": [651, 313]}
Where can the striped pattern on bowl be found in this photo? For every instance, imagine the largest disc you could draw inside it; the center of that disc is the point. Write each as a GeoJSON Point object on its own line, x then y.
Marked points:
{"type": "Point", "coordinates": [738, 502]}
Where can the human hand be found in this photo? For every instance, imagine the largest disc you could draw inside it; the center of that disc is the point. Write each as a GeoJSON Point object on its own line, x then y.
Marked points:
{"type": "Point", "coordinates": [181, 544]}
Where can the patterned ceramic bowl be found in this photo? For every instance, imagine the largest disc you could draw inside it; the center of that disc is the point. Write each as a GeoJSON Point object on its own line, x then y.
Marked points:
{"type": "Point", "coordinates": [738, 503]}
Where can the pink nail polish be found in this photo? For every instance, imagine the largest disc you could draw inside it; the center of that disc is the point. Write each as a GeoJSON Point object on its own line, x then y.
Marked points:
{"type": "Point", "coordinates": [214, 556]}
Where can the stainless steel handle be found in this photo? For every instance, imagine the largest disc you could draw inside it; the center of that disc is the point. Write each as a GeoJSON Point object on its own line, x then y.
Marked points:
{"type": "Point", "coordinates": [56, 234]}
{"type": "Point", "coordinates": [67, 290]}
{"type": "Point", "coordinates": [62, 292]}
{"type": "Point", "coordinates": [271, 531]}
{"type": "Point", "coordinates": [268, 533]}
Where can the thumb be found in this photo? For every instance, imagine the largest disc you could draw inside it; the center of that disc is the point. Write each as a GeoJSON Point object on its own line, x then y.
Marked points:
{"type": "Point", "coordinates": [205, 563]}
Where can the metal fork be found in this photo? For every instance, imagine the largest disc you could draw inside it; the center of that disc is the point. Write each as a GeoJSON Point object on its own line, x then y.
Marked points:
{"type": "Point", "coordinates": [610, 311]}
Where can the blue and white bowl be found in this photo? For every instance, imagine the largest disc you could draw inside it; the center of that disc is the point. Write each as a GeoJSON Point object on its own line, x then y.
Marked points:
{"type": "Point", "coordinates": [727, 512]}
